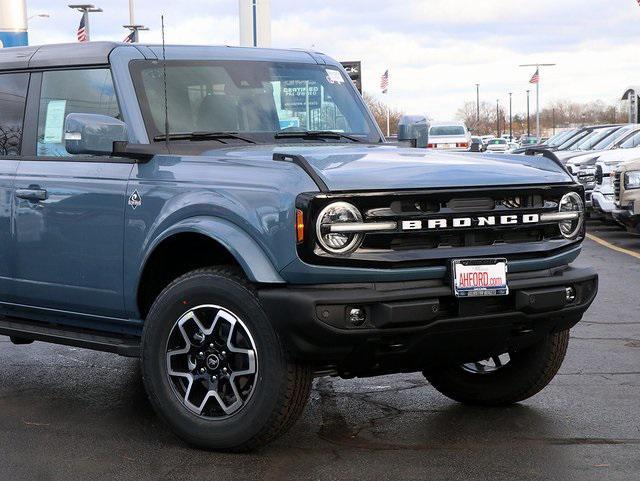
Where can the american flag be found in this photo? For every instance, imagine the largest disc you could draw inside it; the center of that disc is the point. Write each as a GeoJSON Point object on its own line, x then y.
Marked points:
{"type": "Point", "coordinates": [536, 76]}
{"type": "Point", "coordinates": [384, 80]}
{"type": "Point", "coordinates": [82, 31]}
{"type": "Point", "coordinates": [131, 37]}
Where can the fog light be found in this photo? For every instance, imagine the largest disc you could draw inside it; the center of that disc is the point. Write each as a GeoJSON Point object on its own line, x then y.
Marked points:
{"type": "Point", "coordinates": [357, 316]}
{"type": "Point", "coordinates": [571, 294]}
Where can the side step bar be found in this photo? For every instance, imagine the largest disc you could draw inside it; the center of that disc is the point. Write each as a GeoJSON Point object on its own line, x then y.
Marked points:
{"type": "Point", "coordinates": [21, 329]}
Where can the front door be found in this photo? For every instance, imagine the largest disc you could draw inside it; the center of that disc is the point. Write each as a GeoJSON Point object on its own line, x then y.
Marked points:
{"type": "Point", "coordinates": [69, 210]}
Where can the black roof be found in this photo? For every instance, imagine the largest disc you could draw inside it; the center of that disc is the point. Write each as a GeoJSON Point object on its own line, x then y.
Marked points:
{"type": "Point", "coordinates": [63, 54]}
{"type": "Point", "coordinates": [97, 53]}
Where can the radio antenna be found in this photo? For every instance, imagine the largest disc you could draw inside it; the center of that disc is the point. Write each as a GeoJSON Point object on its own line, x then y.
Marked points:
{"type": "Point", "coordinates": [164, 80]}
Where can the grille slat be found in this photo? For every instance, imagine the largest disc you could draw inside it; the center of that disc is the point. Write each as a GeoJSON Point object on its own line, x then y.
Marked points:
{"type": "Point", "coordinates": [616, 186]}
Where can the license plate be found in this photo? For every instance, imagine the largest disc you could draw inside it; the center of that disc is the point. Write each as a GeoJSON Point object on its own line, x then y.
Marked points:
{"type": "Point", "coordinates": [446, 146]}
{"type": "Point", "coordinates": [480, 277]}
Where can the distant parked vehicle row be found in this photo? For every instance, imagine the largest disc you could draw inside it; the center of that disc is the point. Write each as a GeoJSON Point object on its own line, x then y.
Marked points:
{"type": "Point", "coordinates": [605, 159]}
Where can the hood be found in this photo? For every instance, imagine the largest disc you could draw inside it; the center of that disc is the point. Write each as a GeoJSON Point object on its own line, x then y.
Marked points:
{"type": "Point", "coordinates": [619, 155]}
{"type": "Point", "coordinates": [347, 167]}
{"type": "Point", "coordinates": [565, 155]}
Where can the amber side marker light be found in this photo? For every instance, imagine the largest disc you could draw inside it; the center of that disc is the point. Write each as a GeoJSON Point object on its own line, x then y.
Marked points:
{"type": "Point", "coordinates": [299, 226]}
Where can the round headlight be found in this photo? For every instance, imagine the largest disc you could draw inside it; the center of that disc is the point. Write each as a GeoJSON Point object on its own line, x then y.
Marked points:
{"type": "Point", "coordinates": [338, 242]}
{"type": "Point", "coordinates": [571, 202]}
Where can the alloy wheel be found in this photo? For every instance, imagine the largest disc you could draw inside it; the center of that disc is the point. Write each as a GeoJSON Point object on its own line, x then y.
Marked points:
{"type": "Point", "coordinates": [489, 365]}
{"type": "Point", "coordinates": [212, 361]}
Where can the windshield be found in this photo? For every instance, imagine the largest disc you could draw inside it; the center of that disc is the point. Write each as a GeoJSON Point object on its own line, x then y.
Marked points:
{"type": "Point", "coordinates": [560, 138]}
{"type": "Point", "coordinates": [497, 141]}
{"type": "Point", "coordinates": [574, 138]}
{"type": "Point", "coordinates": [631, 142]}
{"type": "Point", "coordinates": [607, 142]}
{"type": "Point", "coordinates": [593, 139]}
{"type": "Point", "coordinates": [255, 99]}
{"type": "Point", "coordinates": [446, 130]}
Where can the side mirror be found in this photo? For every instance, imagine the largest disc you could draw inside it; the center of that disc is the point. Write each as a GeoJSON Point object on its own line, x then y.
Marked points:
{"type": "Point", "coordinates": [93, 134]}
{"type": "Point", "coordinates": [414, 129]}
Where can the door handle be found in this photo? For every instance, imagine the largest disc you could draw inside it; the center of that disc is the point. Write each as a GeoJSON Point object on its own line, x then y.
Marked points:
{"type": "Point", "coordinates": [31, 194]}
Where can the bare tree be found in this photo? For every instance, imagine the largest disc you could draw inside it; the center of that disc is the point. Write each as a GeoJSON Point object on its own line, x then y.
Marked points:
{"type": "Point", "coordinates": [488, 124]}
{"type": "Point", "coordinates": [379, 110]}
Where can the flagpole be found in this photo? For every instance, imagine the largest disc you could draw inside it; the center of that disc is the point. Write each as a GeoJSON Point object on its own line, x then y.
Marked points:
{"type": "Point", "coordinates": [86, 9]}
{"type": "Point", "coordinates": [86, 25]}
{"type": "Point", "coordinates": [537, 66]}
{"type": "Point", "coordinates": [538, 108]}
{"type": "Point", "coordinates": [388, 115]}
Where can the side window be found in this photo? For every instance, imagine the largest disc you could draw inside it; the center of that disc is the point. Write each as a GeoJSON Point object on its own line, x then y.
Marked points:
{"type": "Point", "coordinates": [13, 94]}
{"type": "Point", "coordinates": [71, 91]}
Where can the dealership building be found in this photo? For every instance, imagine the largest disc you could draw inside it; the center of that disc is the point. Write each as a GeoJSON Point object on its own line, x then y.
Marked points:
{"type": "Point", "coordinates": [631, 96]}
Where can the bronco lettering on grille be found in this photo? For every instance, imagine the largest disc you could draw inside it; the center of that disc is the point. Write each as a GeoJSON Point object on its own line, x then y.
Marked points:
{"type": "Point", "coordinates": [479, 221]}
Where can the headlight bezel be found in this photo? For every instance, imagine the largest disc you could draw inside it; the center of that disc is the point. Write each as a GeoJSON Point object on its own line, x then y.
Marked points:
{"type": "Point", "coordinates": [575, 231]}
{"type": "Point", "coordinates": [355, 238]}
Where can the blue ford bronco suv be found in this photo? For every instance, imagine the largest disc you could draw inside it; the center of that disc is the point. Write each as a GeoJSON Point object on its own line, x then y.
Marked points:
{"type": "Point", "coordinates": [234, 217]}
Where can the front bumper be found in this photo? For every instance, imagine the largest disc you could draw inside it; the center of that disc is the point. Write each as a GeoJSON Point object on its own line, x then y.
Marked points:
{"type": "Point", "coordinates": [628, 218]}
{"type": "Point", "coordinates": [416, 325]}
{"type": "Point", "coordinates": [601, 203]}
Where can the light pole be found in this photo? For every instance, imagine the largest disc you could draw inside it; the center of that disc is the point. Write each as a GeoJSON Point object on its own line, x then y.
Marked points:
{"type": "Point", "coordinates": [498, 117]}
{"type": "Point", "coordinates": [528, 116]}
{"type": "Point", "coordinates": [537, 82]}
{"type": "Point", "coordinates": [510, 118]}
{"type": "Point", "coordinates": [477, 105]}
{"type": "Point", "coordinates": [86, 9]}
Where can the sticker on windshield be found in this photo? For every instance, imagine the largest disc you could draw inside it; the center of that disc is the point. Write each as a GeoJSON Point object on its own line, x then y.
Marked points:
{"type": "Point", "coordinates": [334, 76]}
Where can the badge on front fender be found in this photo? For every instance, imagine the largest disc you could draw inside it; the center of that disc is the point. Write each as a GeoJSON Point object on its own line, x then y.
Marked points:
{"type": "Point", "coordinates": [135, 200]}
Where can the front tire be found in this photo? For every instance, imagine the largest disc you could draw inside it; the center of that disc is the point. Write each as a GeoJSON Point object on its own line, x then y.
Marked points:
{"type": "Point", "coordinates": [214, 368]}
{"type": "Point", "coordinates": [505, 379]}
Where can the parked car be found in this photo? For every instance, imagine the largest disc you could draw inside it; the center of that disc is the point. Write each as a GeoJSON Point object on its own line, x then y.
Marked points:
{"type": "Point", "coordinates": [583, 167]}
{"type": "Point", "coordinates": [526, 140]}
{"type": "Point", "coordinates": [551, 143]}
{"type": "Point", "coordinates": [449, 136]}
{"type": "Point", "coordinates": [603, 195]}
{"type": "Point", "coordinates": [190, 212]}
{"type": "Point", "coordinates": [498, 145]}
{"type": "Point", "coordinates": [626, 184]}
{"type": "Point", "coordinates": [477, 145]}
{"type": "Point", "coordinates": [590, 142]}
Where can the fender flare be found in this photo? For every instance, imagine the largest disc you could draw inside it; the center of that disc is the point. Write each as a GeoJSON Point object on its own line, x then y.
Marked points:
{"type": "Point", "coordinates": [246, 251]}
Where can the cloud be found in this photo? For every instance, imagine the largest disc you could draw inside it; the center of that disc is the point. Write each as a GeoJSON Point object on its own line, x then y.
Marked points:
{"type": "Point", "coordinates": [436, 50]}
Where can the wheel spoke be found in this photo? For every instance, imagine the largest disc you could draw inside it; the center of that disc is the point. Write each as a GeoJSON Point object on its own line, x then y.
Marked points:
{"type": "Point", "coordinates": [212, 376]}
{"type": "Point", "coordinates": [489, 365]}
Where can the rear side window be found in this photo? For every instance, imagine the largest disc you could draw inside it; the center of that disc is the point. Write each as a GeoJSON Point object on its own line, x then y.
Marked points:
{"type": "Point", "coordinates": [64, 92]}
{"type": "Point", "coordinates": [13, 94]}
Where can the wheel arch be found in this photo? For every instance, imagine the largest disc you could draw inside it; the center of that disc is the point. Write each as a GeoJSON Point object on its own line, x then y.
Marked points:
{"type": "Point", "coordinates": [194, 243]}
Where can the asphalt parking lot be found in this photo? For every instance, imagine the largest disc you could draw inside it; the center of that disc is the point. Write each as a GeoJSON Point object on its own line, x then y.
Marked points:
{"type": "Point", "coordinates": [74, 414]}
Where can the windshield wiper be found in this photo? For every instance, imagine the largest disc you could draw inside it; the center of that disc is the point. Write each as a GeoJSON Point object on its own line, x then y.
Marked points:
{"type": "Point", "coordinates": [202, 136]}
{"type": "Point", "coordinates": [314, 134]}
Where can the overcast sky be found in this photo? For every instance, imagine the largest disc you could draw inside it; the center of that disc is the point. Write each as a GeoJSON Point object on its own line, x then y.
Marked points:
{"type": "Point", "coordinates": [435, 50]}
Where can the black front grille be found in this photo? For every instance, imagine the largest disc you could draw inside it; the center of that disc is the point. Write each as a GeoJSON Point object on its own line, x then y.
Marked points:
{"type": "Point", "coordinates": [436, 242]}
